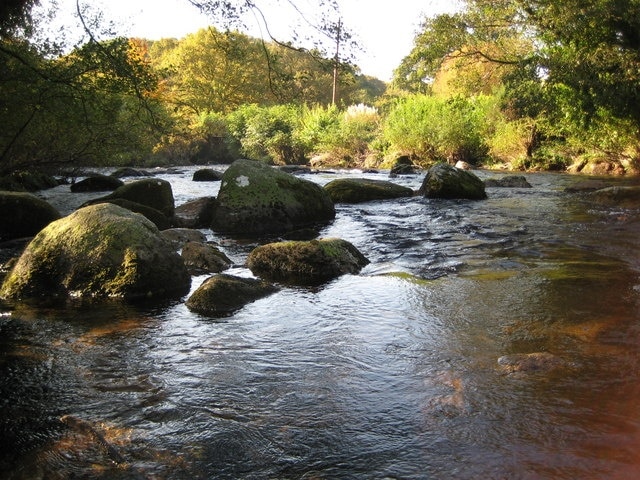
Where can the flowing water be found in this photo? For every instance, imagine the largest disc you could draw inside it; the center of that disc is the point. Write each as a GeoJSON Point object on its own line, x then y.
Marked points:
{"type": "Point", "coordinates": [392, 373]}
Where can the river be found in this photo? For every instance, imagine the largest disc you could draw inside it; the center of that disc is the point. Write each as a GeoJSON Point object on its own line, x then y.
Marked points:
{"type": "Point", "coordinates": [392, 373]}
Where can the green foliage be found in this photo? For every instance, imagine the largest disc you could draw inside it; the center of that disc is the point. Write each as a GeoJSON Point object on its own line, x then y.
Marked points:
{"type": "Point", "coordinates": [267, 133]}
{"type": "Point", "coordinates": [342, 137]}
{"type": "Point", "coordinates": [94, 106]}
{"type": "Point", "coordinates": [433, 129]}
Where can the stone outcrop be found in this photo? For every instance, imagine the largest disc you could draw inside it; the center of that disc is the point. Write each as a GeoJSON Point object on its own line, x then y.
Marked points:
{"type": "Point", "coordinates": [98, 251]}
{"type": "Point", "coordinates": [446, 181]}
{"type": "Point", "coordinates": [356, 190]}
{"type": "Point", "coordinates": [256, 199]}
{"type": "Point", "coordinates": [306, 262]}
{"type": "Point", "coordinates": [23, 215]}
{"type": "Point", "coordinates": [223, 294]}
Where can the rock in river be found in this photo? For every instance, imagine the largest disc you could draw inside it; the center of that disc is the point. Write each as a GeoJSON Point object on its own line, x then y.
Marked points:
{"type": "Point", "coordinates": [223, 294]}
{"type": "Point", "coordinates": [355, 190]}
{"type": "Point", "coordinates": [152, 192]}
{"type": "Point", "coordinates": [256, 199]}
{"type": "Point", "coordinates": [98, 251]}
{"type": "Point", "coordinates": [306, 262]}
{"type": "Point", "coordinates": [23, 215]}
{"type": "Point", "coordinates": [446, 181]}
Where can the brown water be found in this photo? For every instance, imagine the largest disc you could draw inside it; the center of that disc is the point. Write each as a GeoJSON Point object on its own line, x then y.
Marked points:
{"type": "Point", "coordinates": [392, 373]}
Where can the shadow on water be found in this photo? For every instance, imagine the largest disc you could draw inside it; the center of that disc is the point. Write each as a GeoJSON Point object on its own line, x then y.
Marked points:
{"type": "Point", "coordinates": [393, 373]}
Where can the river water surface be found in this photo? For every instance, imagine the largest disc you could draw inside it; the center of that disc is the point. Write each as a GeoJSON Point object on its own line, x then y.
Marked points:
{"type": "Point", "coordinates": [392, 373]}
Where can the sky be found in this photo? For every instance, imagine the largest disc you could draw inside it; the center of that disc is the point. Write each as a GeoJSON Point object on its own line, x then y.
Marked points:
{"type": "Point", "coordinates": [385, 29]}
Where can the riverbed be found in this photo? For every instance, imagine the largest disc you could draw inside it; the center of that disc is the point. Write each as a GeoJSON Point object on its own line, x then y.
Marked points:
{"type": "Point", "coordinates": [391, 373]}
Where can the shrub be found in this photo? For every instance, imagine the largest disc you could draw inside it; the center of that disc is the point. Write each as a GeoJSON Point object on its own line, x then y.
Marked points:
{"type": "Point", "coordinates": [438, 128]}
{"type": "Point", "coordinates": [267, 133]}
{"type": "Point", "coordinates": [343, 137]}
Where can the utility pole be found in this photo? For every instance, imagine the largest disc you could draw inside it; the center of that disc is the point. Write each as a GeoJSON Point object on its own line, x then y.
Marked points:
{"type": "Point", "coordinates": [336, 63]}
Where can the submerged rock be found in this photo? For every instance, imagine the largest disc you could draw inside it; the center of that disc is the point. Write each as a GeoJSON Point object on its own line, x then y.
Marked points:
{"type": "Point", "coordinates": [24, 215]}
{"type": "Point", "coordinates": [445, 181]}
{"type": "Point", "coordinates": [98, 251]}
{"type": "Point", "coordinates": [355, 190]}
{"type": "Point", "coordinates": [223, 294]}
{"type": "Point", "coordinates": [530, 362]}
{"type": "Point", "coordinates": [306, 262]}
{"type": "Point", "coordinates": [256, 199]}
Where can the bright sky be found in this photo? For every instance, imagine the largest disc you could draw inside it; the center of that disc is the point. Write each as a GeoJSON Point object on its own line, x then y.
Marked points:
{"type": "Point", "coordinates": [384, 28]}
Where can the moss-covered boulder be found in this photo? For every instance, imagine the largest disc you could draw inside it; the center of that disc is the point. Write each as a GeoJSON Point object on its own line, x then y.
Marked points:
{"type": "Point", "coordinates": [23, 215]}
{"type": "Point", "coordinates": [201, 258]}
{"type": "Point", "coordinates": [256, 199]}
{"type": "Point", "coordinates": [223, 294]}
{"type": "Point", "coordinates": [97, 183]}
{"type": "Point", "coordinates": [152, 192]}
{"type": "Point", "coordinates": [98, 251]}
{"type": "Point", "coordinates": [446, 181]}
{"type": "Point", "coordinates": [356, 190]}
{"type": "Point", "coordinates": [306, 262]}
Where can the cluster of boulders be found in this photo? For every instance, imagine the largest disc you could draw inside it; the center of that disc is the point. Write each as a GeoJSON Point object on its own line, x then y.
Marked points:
{"type": "Point", "coordinates": [134, 244]}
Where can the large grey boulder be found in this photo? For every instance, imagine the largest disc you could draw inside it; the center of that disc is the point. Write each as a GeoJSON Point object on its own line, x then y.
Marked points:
{"type": "Point", "coordinates": [98, 251]}
{"type": "Point", "coordinates": [446, 181]}
{"type": "Point", "coordinates": [356, 190]}
{"type": "Point", "coordinates": [306, 262]}
{"type": "Point", "coordinates": [257, 199]}
{"type": "Point", "coordinates": [223, 294]}
{"type": "Point", "coordinates": [23, 215]}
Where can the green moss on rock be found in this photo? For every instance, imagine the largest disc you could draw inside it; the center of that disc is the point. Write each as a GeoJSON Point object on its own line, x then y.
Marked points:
{"type": "Point", "coordinates": [98, 251]}
{"type": "Point", "coordinates": [257, 199]}
{"type": "Point", "coordinates": [306, 262]}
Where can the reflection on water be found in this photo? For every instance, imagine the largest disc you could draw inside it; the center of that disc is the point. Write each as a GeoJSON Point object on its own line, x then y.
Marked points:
{"type": "Point", "coordinates": [392, 373]}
